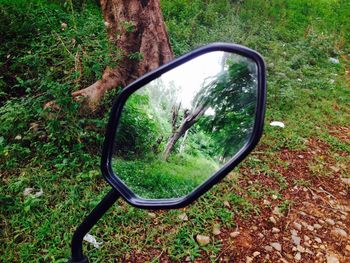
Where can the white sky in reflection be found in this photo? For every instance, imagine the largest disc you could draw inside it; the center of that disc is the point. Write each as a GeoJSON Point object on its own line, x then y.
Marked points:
{"type": "Point", "coordinates": [189, 77]}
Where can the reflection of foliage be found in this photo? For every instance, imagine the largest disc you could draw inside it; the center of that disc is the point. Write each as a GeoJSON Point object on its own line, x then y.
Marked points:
{"type": "Point", "coordinates": [138, 130]}
{"type": "Point", "coordinates": [231, 96]}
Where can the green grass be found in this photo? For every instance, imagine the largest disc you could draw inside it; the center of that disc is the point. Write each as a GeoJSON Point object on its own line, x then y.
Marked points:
{"type": "Point", "coordinates": [59, 151]}
{"type": "Point", "coordinates": [154, 178]}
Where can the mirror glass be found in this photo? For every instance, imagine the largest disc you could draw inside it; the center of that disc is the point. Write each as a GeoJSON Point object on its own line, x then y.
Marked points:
{"type": "Point", "coordinates": [179, 129]}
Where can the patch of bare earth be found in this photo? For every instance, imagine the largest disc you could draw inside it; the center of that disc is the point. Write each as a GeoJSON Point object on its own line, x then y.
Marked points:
{"type": "Point", "coordinates": [314, 228]}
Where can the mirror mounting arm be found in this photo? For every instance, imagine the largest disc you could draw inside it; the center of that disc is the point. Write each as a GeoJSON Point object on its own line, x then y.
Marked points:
{"type": "Point", "coordinates": [88, 223]}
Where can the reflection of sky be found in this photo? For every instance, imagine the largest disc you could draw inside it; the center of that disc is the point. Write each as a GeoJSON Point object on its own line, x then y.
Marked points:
{"type": "Point", "coordinates": [189, 77]}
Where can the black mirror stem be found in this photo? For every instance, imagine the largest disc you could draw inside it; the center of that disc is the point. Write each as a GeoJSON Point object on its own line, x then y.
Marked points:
{"type": "Point", "coordinates": [88, 223]}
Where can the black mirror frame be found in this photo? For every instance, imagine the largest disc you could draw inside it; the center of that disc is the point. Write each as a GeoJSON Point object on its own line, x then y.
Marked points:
{"type": "Point", "coordinates": [117, 108]}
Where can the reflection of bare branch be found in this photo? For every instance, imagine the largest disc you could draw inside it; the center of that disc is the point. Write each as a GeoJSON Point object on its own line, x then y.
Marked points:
{"type": "Point", "coordinates": [185, 125]}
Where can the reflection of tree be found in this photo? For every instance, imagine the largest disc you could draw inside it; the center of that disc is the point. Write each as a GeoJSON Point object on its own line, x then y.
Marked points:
{"type": "Point", "coordinates": [231, 98]}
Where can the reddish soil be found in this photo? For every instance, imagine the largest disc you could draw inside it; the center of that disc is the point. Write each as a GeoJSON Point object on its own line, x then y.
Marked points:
{"type": "Point", "coordinates": [318, 215]}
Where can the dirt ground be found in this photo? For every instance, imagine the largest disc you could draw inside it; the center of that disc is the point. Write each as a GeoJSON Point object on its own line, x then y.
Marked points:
{"type": "Point", "coordinates": [315, 228]}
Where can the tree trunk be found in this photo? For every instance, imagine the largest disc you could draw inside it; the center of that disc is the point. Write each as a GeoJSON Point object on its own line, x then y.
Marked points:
{"type": "Point", "coordinates": [185, 125]}
{"type": "Point", "coordinates": [137, 29]}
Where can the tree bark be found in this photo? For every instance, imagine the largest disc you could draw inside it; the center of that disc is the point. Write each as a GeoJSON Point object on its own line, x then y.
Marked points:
{"type": "Point", "coordinates": [137, 29]}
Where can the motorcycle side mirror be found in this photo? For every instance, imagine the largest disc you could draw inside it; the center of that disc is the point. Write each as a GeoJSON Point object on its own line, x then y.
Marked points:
{"type": "Point", "coordinates": [180, 129]}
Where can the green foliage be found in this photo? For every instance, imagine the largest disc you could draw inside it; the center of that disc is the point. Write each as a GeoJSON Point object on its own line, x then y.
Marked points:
{"type": "Point", "coordinates": [50, 48]}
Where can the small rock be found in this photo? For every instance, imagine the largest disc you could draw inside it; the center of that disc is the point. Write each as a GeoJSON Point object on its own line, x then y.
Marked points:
{"type": "Point", "coordinates": [266, 202]}
{"type": "Point", "coordinates": [276, 246]}
{"type": "Point", "coordinates": [274, 197]}
{"type": "Point", "coordinates": [318, 240]}
{"type": "Point", "coordinates": [216, 230]}
{"type": "Point", "coordinates": [183, 217]}
{"type": "Point", "coordinates": [234, 234]}
{"type": "Point", "coordinates": [297, 226]}
{"type": "Point", "coordinates": [320, 221]}
{"type": "Point", "coordinates": [309, 251]}
{"type": "Point", "coordinates": [296, 240]}
{"type": "Point", "coordinates": [330, 221]}
{"type": "Point", "coordinates": [297, 256]}
{"type": "Point", "coordinates": [346, 180]}
{"type": "Point", "coordinates": [300, 249]}
{"type": "Point", "coordinates": [306, 238]}
{"type": "Point", "coordinates": [322, 247]}
{"type": "Point", "coordinates": [310, 228]}
{"type": "Point", "coordinates": [294, 232]}
{"type": "Point", "coordinates": [227, 204]}
{"type": "Point", "coordinates": [302, 212]}
{"type": "Point", "coordinates": [332, 258]}
{"type": "Point", "coordinates": [254, 228]}
{"type": "Point", "coordinates": [347, 248]}
{"type": "Point", "coordinates": [152, 215]}
{"type": "Point", "coordinates": [317, 226]}
{"type": "Point", "coordinates": [260, 235]}
{"type": "Point", "coordinates": [275, 230]}
{"type": "Point", "coordinates": [268, 248]}
{"type": "Point", "coordinates": [340, 232]}
{"type": "Point", "coordinates": [276, 211]}
{"type": "Point", "coordinates": [18, 137]}
{"type": "Point", "coordinates": [273, 220]}
{"type": "Point", "coordinates": [202, 240]}
{"type": "Point", "coordinates": [256, 253]}
{"type": "Point", "coordinates": [334, 60]}
{"type": "Point", "coordinates": [249, 260]}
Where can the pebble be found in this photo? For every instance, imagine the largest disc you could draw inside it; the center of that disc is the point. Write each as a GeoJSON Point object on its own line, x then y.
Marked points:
{"type": "Point", "coordinates": [294, 232]}
{"type": "Point", "coordinates": [317, 226]}
{"type": "Point", "coordinates": [346, 180]}
{"type": "Point", "coordinates": [216, 230]}
{"type": "Point", "coordinates": [276, 211]}
{"type": "Point", "coordinates": [276, 246]}
{"type": "Point", "coordinates": [297, 256]}
{"type": "Point", "coordinates": [297, 226]}
{"type": "Point", "coordinates": [274, 197]}
{"type": "Point", "coordinates": [255, 228]}
{"type": "Point", "coordinates": [260, 235]}
{"type": "Point", "coordinates": [234, 234]}
{"type": "Point", "coordinates": [320, 221]}
{"type": "Point", "coordinates": [332, 258]}
{"type": "Point", "coordinates": [322, 247]}
{"type": "Point", "coordinates": [275, 230]}
{"type": "Point", "coordinates": [306, 238]}
{"type": "Point", "coordinates": [256, 253]}
{"type": "Point", "coordinates": [300, 249]}
{"type": "Point", "coordinates": [227, 204]}
{"type": "Point", "coordinates": [183, 217]}
{"type": "Point", "coordinates": [340, 232]}
{"type": "Point", "coordinates": [347, 248]}
{"type": "Point", "coordinates": [249, 259]}
{"type": "Point", "coordinates": [152, 215]}
{"type": "Point", "coordinates": [309, 251]}
{"type": "Point", "coordinates": [203, 240]}
{"type": "Point", "coordinates": [310, 228]}
{"type": "Point", "coordinates": [343, 217]}
{"type": "Point", "coordinates": [266, 202]}
{"type": "Point", "coordinates": [296, 240]}
{"type": "Point", "coordinates": [272, 220]}
{"type": "Point", "coordinates": [330, 221]}
{"type": "Point", "coordinates": [318, 240]}
{"type": "Point", "coordinates": [268, 248]}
